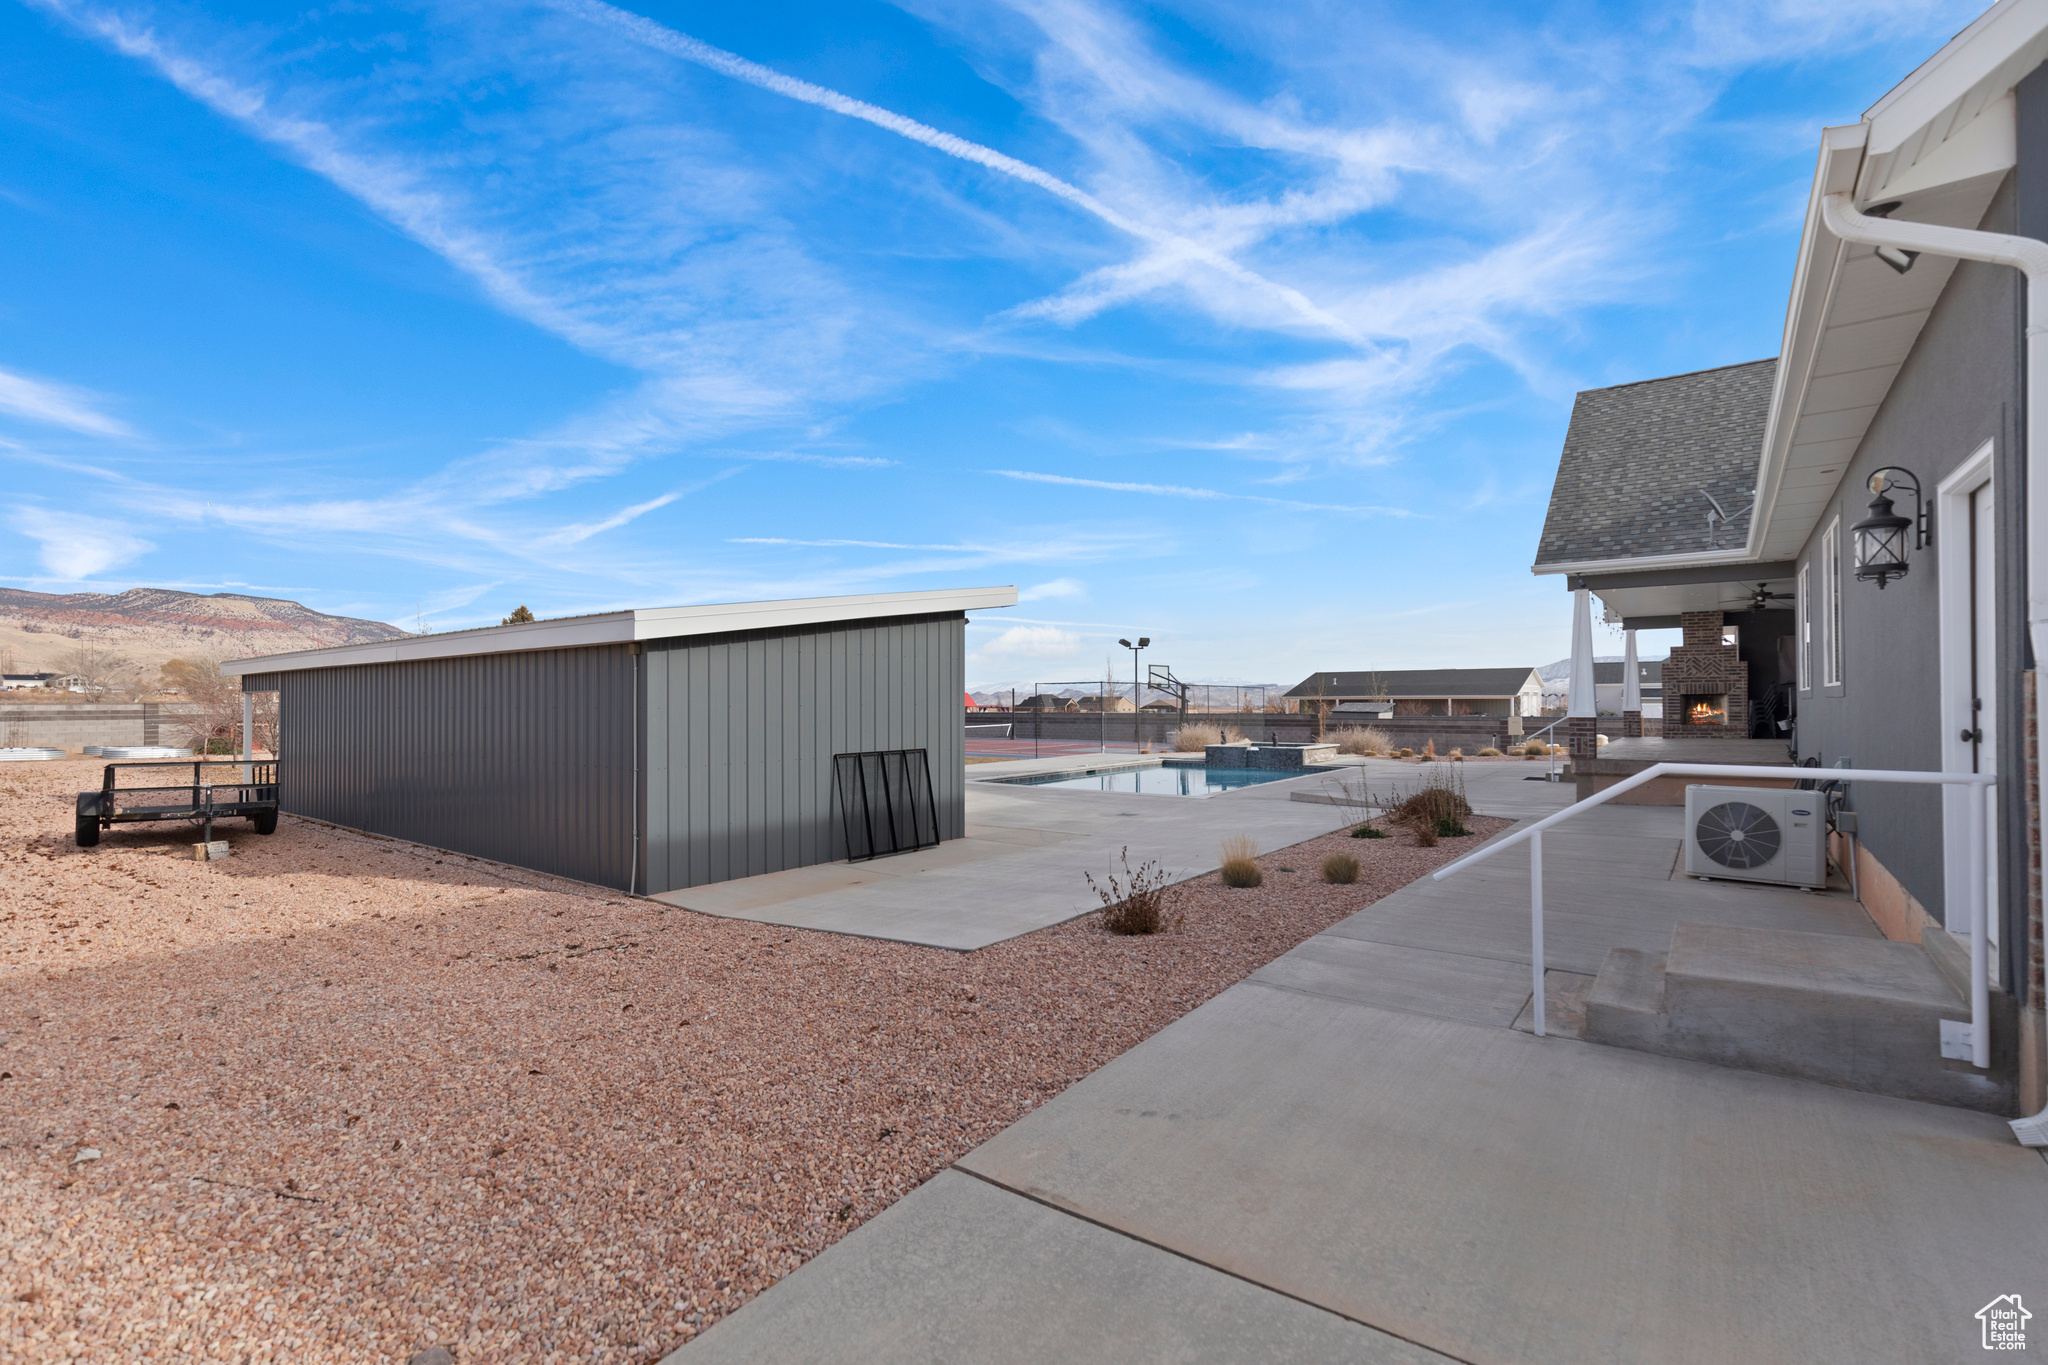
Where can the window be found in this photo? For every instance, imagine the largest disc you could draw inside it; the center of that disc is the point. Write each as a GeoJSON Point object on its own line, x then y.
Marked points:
{"type": "Point", "coordinates": [1803, 624]}
{"type": "Point", "coordinates": [1831, 605]}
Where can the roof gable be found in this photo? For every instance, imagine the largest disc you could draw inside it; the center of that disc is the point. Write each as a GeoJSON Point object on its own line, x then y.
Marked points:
{"type": "Point", "coordinates": [1637, 455]}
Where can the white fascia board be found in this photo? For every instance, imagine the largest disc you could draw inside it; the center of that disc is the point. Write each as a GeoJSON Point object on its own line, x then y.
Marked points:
{"type": "Point", "coordinates": [574, 632]}
{"type": "Point", "coordinates": [1703, 559]}
{"type": "Point", "coordinates": [663, 623]}
{"type": "Point", "coordinates": [624, 627]}
{"type": "Point", "coordinates": [1815, 279]}
{"type": "Point", "coordinates": [1987, 145]}
{"type": "Point", "coordinates": [1950, 89]}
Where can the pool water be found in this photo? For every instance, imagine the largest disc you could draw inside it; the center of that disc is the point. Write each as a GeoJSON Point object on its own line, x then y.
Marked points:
{"type": "Point", "coordinates": [1157, 781]}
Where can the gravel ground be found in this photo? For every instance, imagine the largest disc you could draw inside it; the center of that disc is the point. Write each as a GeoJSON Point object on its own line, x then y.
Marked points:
{"type": "Point", "coordinates": [351, 1098]}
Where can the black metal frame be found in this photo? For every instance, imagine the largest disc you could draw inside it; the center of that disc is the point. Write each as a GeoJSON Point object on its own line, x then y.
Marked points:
{"type": "Point", "coordinates": [252, 800]}
{"type": "Point", "coordinates": [866, 784]}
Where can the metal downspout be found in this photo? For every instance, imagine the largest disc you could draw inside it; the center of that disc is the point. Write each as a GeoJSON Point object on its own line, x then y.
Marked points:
{"type": "Point", "coordinates": [2030, 258]}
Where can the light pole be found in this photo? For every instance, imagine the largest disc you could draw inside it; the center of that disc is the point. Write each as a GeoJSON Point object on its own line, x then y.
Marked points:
{"type": "Point", "coordinates": [1137, 697]}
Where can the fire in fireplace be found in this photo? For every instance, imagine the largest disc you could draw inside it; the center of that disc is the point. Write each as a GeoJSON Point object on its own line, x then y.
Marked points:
{"type": "Point", "coordinates": [1706, 710]}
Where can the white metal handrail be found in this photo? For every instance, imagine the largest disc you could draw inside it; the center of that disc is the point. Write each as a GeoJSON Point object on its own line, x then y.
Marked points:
{"type": "Point", "coordinates": [1549, 750]}
{"type": "Point", "coordinates": [1979, 883]}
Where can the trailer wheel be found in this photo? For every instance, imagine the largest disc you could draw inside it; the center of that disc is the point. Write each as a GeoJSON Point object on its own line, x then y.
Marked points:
{"type": "Point", "coordinates": [86, 832]}
{"type": "Point", "coordinates": [265, 821]}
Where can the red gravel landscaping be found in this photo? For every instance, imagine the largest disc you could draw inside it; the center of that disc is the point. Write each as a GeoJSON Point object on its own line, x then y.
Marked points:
{"type": "Point", "coordinates": [351, 1097]}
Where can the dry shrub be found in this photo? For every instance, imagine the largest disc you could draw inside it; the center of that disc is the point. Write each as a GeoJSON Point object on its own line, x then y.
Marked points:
{"type": "Point", "coordinates": [1533, 749]}
{"type": "Point", "coordinates": [1363, 740]}
{"type": "Point", "coordinates": [1407, 753]}
{"type": "Point", "coordinates": [1439, 798]}
{"type": "Point", "coordinates": [1196, 736]}
{"type": "Point", "coordinates": [1425, 835]}
{"type": "Point", "coordinates": [1457, 755]}
{"type": "Point", "coordinates": [1489, 752]}
{"type": "Point", "coordinates": [1239, 869]}
{"type": "Point", "coordinates": [1340, 869]}
{"type": "Point", "coordinates": [1429, 748]}
{"type": "Point", "coordinates": [1141, 903]}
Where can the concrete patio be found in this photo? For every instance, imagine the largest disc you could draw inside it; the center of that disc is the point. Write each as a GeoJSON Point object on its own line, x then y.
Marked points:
{"type": "Point", "coordinates": [1356, 1155]}
{"type": "Point", "coordinates": [1020, 867]}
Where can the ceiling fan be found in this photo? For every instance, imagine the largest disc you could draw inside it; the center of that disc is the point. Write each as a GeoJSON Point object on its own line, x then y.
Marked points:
{"type": "Point", "coordinates": [1761, 599]}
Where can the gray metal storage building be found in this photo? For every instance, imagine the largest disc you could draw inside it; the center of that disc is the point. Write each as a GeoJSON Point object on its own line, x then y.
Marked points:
{"type": "Point", "coordinates": [645, 750]}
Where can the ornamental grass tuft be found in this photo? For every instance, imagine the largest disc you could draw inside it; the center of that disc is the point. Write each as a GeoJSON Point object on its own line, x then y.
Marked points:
{"type": "Point", "coordinates": [1239, 868]}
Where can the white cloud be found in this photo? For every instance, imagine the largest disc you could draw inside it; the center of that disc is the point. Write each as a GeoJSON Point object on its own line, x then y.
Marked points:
{"type": "Point", "coordinates": [822, 461]}
{"type": "Point", "coordinates": [1059, 587]}
{"type": "Point", "coordinates": [1169, 490]}
{"type": "Point", "coordinates": [1169, 249]}
{"type": "Point", "coordinates": [75, 547]}
{"type": "Point", "coordinates": [56, 405]}
{"type": "Point", "coordinates": [1032, 642]}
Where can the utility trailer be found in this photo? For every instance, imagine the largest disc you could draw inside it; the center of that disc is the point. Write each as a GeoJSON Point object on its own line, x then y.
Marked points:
{"type": "Point", "coordinates": [249, 791]}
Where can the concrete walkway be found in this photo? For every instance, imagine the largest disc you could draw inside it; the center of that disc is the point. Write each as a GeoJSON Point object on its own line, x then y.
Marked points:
{"type": "Point", "coordinates": [1020, 867]}
{"type": "Point", "coordinates": [1353, 1156]}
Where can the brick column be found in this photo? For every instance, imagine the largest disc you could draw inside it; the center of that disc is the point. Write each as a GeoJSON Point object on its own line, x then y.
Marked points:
{"type": "Point", "coordinates": [1581, 735]}
{"type": "Point", "coordinates": [1631, 725]}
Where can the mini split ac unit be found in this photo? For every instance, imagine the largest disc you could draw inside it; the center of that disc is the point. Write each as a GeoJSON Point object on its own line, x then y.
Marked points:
{"type": "Point", "coordinates": [1757, 834]}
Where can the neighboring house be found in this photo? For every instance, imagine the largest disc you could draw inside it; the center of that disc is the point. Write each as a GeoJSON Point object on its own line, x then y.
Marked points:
{"type": "Point", "coordinates": [1111, 704]}
{"type": "Point", "coordinates": [10, 682]}
{"type": "Point", "coordinates": [1607, 687]}
{"type": "Point", "coordinates": [1424, 692]}
{"type": "Point", "coordinates": [1726, 502]}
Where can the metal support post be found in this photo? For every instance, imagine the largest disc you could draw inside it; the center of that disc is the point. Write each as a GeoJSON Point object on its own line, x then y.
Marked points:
{"type": "Point", "coordinates": [1980, 923]}
{"type": "Point", "coordinates": [1536, 928]}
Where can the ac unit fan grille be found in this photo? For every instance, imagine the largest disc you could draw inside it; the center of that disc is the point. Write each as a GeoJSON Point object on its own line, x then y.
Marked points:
{"type": "Point", "coordinates": [1738, 835]}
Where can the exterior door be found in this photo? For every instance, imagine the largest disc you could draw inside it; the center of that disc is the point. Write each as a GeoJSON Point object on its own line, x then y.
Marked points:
{"type": "Point", "coordinates": [1966, 551]}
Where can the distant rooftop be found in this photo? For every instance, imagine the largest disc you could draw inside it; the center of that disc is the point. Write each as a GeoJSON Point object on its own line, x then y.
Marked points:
{"type": "Point", "coordinates": [1422, 682]}
{"type": "Point", "coordinates": [1637, 455]}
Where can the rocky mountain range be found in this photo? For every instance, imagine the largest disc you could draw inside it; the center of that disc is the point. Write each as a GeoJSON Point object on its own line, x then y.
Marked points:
{"type": "Point", "coordinates": [43, 632]}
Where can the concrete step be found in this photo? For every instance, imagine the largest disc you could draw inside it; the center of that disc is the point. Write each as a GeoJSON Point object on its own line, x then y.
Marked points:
{"type": "Point", "coordinates": [1951, 957]}
{"type": "Point", "coordinates": [1856, 1012]}
{"type": "Point", "coordinates": [1625, 1007]}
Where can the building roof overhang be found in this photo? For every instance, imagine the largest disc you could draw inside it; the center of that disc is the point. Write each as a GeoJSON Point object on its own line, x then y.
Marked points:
{"type": "Point", "coordinates": [625, 627]}
{"type": "Point", "coordinates": [1939, 143]}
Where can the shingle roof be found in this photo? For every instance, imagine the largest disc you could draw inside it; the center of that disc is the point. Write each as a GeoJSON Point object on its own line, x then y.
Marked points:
{"type": "Point", "coordinates": [1650, 673]}
{"type": "Point", "coordinates": [1416, 682]}
{"type": "Point", "coordinates": [1636, 456]}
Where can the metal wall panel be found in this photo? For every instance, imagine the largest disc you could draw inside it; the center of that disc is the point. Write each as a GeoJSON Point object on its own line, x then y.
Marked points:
{"type": "Point", "coordinates": [741, 730]}
{"type": "Point", "coordinates": [525, 758]}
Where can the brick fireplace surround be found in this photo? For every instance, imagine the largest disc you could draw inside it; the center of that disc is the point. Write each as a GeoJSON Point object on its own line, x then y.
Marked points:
{"type": "Point", "coordinates": [1704, 667]}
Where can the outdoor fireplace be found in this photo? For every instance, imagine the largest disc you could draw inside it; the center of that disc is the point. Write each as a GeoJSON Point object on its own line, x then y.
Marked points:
{"type": "Point", "coordinates": [1706, 683]}
{"type": "Point", "coordinates": [1704, 710]}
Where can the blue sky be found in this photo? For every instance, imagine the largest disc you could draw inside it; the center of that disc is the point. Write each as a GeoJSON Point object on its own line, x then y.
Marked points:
{"type": "Point", "coordinates": [1253, 328]}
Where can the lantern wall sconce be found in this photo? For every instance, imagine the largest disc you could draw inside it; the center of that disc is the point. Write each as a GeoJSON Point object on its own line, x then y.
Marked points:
{"type": "Point", "coordinates": [1881, 536]}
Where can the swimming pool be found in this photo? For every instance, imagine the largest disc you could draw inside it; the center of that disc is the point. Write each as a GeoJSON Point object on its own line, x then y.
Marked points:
{"type": "Point", "coordinates": [1157, 781]}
